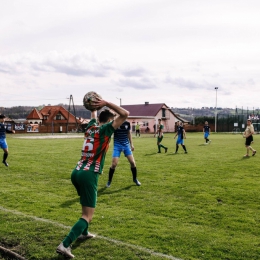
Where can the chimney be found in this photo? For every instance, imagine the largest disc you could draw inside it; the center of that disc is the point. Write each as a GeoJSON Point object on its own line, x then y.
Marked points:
{"type": "Point", "coordinates": [146, 103]}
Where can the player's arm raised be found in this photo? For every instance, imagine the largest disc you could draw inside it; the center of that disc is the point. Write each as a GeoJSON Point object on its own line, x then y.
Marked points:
{"type": "Point", "coordinates": [94, 114]}
{"type": "Point", "coordinates": [122, 113]}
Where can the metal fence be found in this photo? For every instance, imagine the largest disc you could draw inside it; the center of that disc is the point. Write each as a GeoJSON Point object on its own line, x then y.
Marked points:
{"type": "Point", "coordinates": [235, 123]}
{"type": "Point", "coordinates": [229, 123]}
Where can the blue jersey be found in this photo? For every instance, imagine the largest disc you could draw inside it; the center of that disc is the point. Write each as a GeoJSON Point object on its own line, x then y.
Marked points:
{"type": "Point", "coordinates": [121, 134]}
{"type": "Point", "coordinates": [180, 132]}
{"type": "Point", "coordinates": [206, 128]}
{"type": "Point", "coordinates": [3, 130]}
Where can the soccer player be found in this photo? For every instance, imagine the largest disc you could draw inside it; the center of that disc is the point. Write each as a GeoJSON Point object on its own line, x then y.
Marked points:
{"type": "Point", "coordinates": [206, 131]}
{"type": "Point", "coordinates": [123, 143]}
{"type": "Point", "coordinates": [137, 129]}
{"type": "Point", "coordinates": [248, 134]}
{"type": "Point", "coordinates": [86, 173]}
{"type": "Point", "coordinates": [160, 137]}
{"type": "Point", "coordinates": [181, 135]}
{"type": "Point", "coordinates": [3, 143]}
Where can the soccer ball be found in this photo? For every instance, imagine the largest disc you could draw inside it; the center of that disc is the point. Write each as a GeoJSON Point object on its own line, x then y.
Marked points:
{"type": "Point", "coordinates": [88, 98]}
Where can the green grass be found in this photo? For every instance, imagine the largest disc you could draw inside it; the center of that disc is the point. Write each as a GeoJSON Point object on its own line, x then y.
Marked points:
{"type": "Point", "coordinates": [200, 205]}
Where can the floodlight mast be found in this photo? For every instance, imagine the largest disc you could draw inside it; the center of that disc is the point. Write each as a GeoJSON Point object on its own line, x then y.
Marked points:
{"type": "Point", "coordinates": [216, 88]}
{"type": "Point", "coordinates": [120, 101]}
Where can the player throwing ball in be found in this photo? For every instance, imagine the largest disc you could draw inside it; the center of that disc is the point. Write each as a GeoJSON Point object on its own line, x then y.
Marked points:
{"type": "Point", "coordinates": [123, 143]}
{"type": "Point", "coordinates": [181, 135]}
{"type": "Point", "coordinates": [248, 134]}
{"type": "Point", "coordinates": [86, 173]}
{"type": "Point", "coordinates": [206, 131]}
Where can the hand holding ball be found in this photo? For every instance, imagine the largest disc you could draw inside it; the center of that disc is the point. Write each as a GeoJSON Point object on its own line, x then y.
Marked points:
{"type": "Point", "coordinates": [90, 99]}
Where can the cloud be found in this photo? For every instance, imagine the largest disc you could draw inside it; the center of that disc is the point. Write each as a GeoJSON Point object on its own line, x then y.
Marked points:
{"type": "Point", "coordinates": [188, 84]}
{"type": "Point", "coordinates": [133, 72]}
{"type": "Point", "coordinates": [69, 63]}
{"type": "Point", "coordinates": [141, 83]}
{"type": "Point", "coordinates": [251, 82]}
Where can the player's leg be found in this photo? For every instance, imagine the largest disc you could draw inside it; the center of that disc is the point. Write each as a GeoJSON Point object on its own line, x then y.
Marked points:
{"type": "Point", "coordinates": [129, 155]}
{"type": "Point", "coordinates": [133, 169]}
{"type": "Point", "coordinates": [5, 155]}
{"type": "Point", "coordinates": [206, 137]}
{"type": "Point", "coordinates": [177, 148]}
{"type": "Point", "coordinates": [161, 145]}
{"type": "Point", "coordinates": [247, 151]}
{"type": "Point", "coordinates": [184, 148]}
{"type": "Point", "coordinates": [112, 170]}
{"type": "Point", "coordinates": [249, 142]}
{"type": "Point", "coordinates": [247, 145]}
{"type": "Point", "coordinates": [252, 149]}
{"type": "Point", "coordinates": [159, 139]}
{"type": "Point", "coordinates": [80, 227]}
{"type": "Point", "coordinates": [165, 148]}
{"type": "Point", "coordinates": [86, 184]}
{"type": "Point", "coordinates": [179, 141]}
{"type": "Point", "coordinates": [115, 158]}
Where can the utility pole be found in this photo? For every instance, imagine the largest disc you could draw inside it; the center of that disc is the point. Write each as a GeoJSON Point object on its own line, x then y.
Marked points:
{"type": "Point", "coordinates": [216, 112]}
{"type": "Point", "coordinates": [71, 102]}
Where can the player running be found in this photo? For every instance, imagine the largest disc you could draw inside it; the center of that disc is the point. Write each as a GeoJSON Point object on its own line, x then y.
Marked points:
{"type": "Point", "coordinates": [123, 143]}
{"type": "Point", "coordinates": [3, 143]}
{"type": "Point", "coordinates": [181, 135]}
{"type": "Point", "coordinates": [206, 131]}
{"type": "Point", "coordinates": [248, 134]}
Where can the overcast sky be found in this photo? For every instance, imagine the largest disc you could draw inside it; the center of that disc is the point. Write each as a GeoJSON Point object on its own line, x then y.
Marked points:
{"type": "Point", "coordinates": [161, 51]}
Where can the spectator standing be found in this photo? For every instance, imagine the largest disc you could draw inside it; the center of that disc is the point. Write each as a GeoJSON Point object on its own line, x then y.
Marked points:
{"type": "Point", "coordinates": [137, 129]}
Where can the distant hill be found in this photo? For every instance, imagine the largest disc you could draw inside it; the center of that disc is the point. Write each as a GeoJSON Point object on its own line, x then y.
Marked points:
{"type": "Point", "coordinates": [23, 111]}
{"type": "Point", "coordinates": [19, 112]}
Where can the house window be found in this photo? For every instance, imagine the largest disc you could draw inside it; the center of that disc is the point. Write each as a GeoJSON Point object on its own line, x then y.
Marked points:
{"type": "Point", "coordinates": [145, 123]}
{"type": "Point", "coordinates": [45, 117]}
{"type": "Point", "coordinates": [58, 117]}
{"type": "Point", "coordinates": [163, 112]}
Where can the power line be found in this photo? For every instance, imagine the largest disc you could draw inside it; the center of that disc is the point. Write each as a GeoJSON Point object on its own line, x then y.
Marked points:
{"type": "Point", "coordinates": [31, 99]}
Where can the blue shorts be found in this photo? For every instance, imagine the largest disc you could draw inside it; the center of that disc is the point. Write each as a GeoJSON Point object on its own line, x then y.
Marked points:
{"type": "Point", "coordinates": [3, 144]}
{"type": "Point", "coordinates": [206, 134]}
{"type": "Point", "coordinates": [180, 141]}
{"type": "Point", "coordinates": [118, 148]}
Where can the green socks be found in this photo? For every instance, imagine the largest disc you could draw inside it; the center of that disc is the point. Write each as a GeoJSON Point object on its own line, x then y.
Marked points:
{"type": "Point", "coordinates": [79, 227]}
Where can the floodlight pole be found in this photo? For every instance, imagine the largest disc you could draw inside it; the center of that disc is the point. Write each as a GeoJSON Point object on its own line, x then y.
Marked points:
{"type": "Point", "coordinates": [120, 101]}
{"type": "Point", "coordinates": [216, 88]}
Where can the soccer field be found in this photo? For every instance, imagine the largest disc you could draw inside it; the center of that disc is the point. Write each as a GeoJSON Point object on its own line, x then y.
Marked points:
{"type": "Point", "coordinates": [201, 205]}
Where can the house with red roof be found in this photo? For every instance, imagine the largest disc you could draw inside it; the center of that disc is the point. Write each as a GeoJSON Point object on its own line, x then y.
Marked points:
{"type": "Point", "coordinates": [52, 119]}
{"type": "Point", "coordinates": [147, 116]}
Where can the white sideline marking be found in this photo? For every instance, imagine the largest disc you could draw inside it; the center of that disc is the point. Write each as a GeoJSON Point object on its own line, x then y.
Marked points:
{"type": "Point", "coordinates": [101, 237]}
